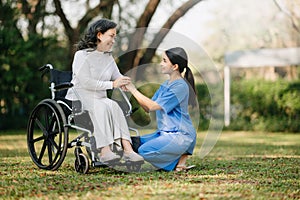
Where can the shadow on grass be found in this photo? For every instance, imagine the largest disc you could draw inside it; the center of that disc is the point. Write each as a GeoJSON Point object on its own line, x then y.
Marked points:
{"type": "Point", "coordinates": [237, 168]}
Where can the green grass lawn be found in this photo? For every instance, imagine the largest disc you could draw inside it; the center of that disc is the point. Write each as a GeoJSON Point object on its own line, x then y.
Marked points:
{"type": "Point", "coordinates": [242, 165]}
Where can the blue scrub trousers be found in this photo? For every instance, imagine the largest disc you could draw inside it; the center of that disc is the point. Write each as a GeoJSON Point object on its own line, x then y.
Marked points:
{"type": "Point", "coordinates": [164, 149]}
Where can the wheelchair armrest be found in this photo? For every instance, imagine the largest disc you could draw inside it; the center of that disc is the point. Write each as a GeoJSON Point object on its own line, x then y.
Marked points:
{"type": "Point", "coordinates": [129, 111]}
{"type": "Point", "coordinates": [63, 86]}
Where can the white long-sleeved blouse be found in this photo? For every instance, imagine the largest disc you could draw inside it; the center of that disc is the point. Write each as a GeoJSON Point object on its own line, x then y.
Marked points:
{"type": "Point", "coordinates": [93, 74]}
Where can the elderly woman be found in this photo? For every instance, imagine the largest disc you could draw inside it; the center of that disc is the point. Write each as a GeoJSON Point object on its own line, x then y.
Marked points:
{"type": "Point", "coordinates": [94, 72]}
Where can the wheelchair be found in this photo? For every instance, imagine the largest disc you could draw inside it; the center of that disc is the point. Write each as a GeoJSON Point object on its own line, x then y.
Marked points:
{"type": "Point", "coordinates": [49, 124]}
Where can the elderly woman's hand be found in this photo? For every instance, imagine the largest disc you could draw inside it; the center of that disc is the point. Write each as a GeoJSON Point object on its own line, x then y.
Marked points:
{"type": "Point", "coordinates": [130, 87]}
{"type": "Point", "coordinates": [121, 82]}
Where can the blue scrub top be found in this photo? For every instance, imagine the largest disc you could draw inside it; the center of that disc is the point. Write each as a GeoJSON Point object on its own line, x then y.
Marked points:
{"type": "Point", "coordinates": [173, 99]}
{"type": "Point", "coordinates": [175, 135]}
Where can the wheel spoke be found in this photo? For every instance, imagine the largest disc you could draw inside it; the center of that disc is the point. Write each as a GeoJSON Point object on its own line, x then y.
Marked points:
{"type": "Point", "coordinates": [42, 151]}
{"type": "Point", "coordinates": [55, 146]}
{"type": "Point", "coordinates": [53, 134]}
{"type": "Point", "coordinates": [37, 139]}
{"type": "Point", "coordinates": [54, 129]}
{"type": "Point", "coordinates": [40, 125]}
{"type": "Point", "coordinates": [52, 125]}
{"type": "Point", "coordinates": [46, 118]}
{"type": "Point", "coordinates": [50, 152]}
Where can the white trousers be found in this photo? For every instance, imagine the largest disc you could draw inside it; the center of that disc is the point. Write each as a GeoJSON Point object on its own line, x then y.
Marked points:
{"type": "Point", "coordinates": [109, 122]}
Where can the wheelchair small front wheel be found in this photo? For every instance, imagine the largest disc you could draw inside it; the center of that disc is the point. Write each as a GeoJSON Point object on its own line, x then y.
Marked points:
{"type": "Point", "coordinates": [81, 163]}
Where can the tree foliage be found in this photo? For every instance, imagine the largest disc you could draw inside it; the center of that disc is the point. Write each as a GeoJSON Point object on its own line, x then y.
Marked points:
{"type": "Point", "coordinates": [265, 105]}
{"type": "Point", "coordinates": [34, 33]}
{"type": "Point", "coordinates": [20, 58]}
{"type": "Point", "coordinates": [32, 10]}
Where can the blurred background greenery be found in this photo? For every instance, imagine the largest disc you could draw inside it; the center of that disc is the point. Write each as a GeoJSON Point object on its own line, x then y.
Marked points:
{"type": "Point", "coordinates": [36, 32]}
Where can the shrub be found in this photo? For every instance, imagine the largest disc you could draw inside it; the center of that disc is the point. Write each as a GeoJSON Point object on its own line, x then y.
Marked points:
{"type": "Point", "coordinates": [265, 105]}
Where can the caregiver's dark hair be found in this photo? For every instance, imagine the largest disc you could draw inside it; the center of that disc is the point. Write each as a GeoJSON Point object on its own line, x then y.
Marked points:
{"type": "Point", "coordinates": [90, 38]}
{"type": "Point", "coordinates": [177, 55]}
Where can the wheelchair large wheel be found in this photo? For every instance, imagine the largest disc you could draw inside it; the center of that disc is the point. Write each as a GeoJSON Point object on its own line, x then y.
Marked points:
{"type": "Point", "coordinates": [47, 137]}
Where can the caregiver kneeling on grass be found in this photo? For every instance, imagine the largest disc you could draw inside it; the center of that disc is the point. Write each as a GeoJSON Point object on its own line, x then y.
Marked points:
{"type": "Point", "coordinates": [175, 138]}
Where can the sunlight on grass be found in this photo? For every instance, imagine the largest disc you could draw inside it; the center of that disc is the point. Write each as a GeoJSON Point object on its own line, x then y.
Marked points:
{"type": "Point", "coordinates": [242, 165]}
{"type": "Point", "coordinates": [11, 142]}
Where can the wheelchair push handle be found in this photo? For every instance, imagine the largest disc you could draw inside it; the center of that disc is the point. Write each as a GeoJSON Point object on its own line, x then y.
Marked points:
{"type": "Point", "coordinates": [45, 69]}
{"type": "Point", "coordinates": [49, 66]}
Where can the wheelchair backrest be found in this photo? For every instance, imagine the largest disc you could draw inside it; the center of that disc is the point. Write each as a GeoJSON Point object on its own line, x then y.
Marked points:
{"type": "Point", "coordinates": [58, 77]}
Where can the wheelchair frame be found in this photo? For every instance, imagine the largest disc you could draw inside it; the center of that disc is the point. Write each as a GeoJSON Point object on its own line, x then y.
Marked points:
{"type": "Point", "coordinates": [48, 130]}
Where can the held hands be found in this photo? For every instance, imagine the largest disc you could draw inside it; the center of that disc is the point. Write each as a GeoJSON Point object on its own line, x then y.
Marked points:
{"type": "Point", "coordinates": [130, 87]}
{"type": "Point", "coordinates": [121, 82]}
{"type": "Point", "coordinates": [124, 83]}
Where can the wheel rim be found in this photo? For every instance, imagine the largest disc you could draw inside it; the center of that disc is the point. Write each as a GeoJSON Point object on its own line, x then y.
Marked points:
{"type": "Point", "coordinates": [83, 166]}
{"type": "Point", "coordinates": [46, 137]}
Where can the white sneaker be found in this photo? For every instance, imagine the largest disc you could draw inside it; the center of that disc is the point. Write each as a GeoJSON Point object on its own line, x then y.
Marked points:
{"type": "Point", "coordinates": [109, 158]}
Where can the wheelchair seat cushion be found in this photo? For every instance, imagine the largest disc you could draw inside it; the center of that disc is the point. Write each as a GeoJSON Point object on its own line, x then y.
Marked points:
{"type": "Point", "coordinates": [74, 106]}
{"type": "Point", "coordinates": [83, 120]}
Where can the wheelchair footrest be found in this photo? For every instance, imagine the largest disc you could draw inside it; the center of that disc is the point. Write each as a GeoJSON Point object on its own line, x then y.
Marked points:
{"type": "Point", "coordinates": [124, 163]}
{"type": "Point", "coordinates": [131, 163]}
{"type": "Point", "coordinates": [99, 164]}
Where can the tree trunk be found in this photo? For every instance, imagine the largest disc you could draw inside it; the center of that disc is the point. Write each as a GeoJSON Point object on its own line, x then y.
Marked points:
{"type": "Point", "coordinates": [182, 10]}
{"type": "Point", "coordinates": [145, 56]}
{"type": "Point", "coordinates": [134, 55]}
{"type": "Point", "coordinates": [34, 12]}
{"type": "Point", "coordinates": [290, 13]}
{"type": "Point", "coordinates": [105, 7]}
{"type": "Point", "coordinates": [128, 60]}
